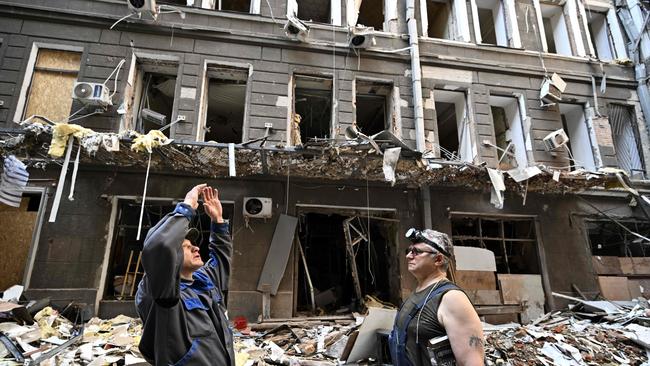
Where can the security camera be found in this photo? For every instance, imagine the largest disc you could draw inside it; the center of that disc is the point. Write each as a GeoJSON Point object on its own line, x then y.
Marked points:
{"type": "Point", "coordinates": [296, 28]}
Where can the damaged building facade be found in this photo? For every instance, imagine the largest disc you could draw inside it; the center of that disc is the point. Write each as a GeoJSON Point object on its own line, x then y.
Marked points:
{"type": "Point", "coordinates": [506, 113]}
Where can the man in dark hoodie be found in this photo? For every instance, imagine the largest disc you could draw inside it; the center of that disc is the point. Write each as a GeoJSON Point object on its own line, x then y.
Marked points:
{"type": "Point", "coordinates": [180, 299]}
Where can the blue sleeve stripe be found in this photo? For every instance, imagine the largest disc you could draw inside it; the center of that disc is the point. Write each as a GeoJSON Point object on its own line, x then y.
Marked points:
{"type": "Point", "coordinates": [220, 228]}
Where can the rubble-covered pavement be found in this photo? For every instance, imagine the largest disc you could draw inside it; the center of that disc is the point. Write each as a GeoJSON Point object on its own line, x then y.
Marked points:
{"type": "Point", "coordinates": [589, 333]}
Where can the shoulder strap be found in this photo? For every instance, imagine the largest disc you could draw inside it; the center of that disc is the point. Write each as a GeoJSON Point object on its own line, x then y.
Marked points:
{"type": "Point", "coordinates": [445, 287]}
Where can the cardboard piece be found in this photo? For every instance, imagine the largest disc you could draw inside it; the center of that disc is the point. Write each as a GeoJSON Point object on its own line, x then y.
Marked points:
{"type": "Point", "coordinates": [474, 259]}
{"type": "Point", "coordinates": [606, 265]}
{"type": "Point", "coordinates": [476, 280]}
{"type": "Point", "coordinates": [365, 344]}
{"type": "Point", "coordinates": [614, 288]}
{"type": "Point", "coordinates": [524, 289]}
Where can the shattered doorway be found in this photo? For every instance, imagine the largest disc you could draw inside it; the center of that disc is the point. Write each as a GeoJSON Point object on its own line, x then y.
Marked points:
{"type": "Point", "coordinates": [323, 240]}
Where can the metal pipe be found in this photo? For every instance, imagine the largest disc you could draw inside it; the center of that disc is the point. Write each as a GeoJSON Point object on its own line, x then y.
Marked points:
{"type": "Point", "coordinates": [416, 75]}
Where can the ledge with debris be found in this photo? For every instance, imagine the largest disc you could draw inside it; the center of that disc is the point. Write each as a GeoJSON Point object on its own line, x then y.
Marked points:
{"type": "Point", "coordinates": [335, 161]}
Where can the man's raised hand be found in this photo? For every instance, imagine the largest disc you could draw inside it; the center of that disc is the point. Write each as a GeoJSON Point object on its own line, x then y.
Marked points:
{"type": "Point", "coordinates": [192, 197]}
{"type": "Point", "coordinates": [212, 205]}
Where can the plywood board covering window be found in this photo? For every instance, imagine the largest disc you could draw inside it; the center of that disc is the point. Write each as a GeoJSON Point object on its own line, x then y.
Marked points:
{"type": "Point", "coordinates": [55, 73]}
{"type": "Point", "coordinates": [16, 238]}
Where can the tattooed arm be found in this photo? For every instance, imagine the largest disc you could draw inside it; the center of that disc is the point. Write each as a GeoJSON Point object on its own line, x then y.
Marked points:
{"type": "Point", "coordinates": [463, 327]}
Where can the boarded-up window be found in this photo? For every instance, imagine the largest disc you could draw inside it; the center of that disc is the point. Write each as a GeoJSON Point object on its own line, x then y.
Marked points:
{"type": "Point", "coordinates": [627, 143]}
{"type": "Point", "coordinates": [50, 90]}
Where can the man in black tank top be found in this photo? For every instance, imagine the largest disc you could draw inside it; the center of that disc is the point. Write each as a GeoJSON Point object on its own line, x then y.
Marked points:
{"type": "Point", "coordinates": [436, 308]}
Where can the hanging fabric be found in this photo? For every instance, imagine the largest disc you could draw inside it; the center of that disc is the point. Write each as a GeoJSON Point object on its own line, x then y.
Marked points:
{"type": "Point", "coordinates": [13, 181]}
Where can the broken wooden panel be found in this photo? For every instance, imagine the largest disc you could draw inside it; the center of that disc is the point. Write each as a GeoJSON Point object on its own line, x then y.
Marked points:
{"type": "Point", "coordinates": [614, 288]}
{"type": "Point", "coordinates": [526, 290]}
{"type": "Point", "coordinates": [476, 280]}
{"type": "Point", "coordinates": [278, 254]}
{"type": "Point", "coordinates": [605, 265]}
{"type": "Point", "coordinates": [16, 239]}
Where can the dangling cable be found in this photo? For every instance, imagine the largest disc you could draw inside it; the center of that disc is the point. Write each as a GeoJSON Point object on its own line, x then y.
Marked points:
{"type": "Point", "coordinates": [144, 196]}
{"type": "Point", "coordinates": [73, 181]}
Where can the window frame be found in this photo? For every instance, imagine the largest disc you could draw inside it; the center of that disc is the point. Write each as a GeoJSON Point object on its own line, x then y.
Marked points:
{"type": "Point", "coordinates": [21, 105]}
{"type": "Point", "coordinates": [203, 103]}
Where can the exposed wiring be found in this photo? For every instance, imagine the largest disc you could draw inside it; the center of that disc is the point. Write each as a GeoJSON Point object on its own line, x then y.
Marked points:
{"type": "Point", "coordinates": [116, 72]}
{"type": "Point", "coordinates": [122, 19]}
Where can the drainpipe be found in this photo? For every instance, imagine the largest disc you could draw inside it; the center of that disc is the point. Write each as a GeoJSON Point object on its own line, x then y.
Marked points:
{"type": "Point", "coordinates": [416, 75]}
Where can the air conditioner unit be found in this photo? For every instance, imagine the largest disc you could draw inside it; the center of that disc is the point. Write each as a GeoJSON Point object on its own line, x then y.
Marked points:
{"type": "Point", "coordinates": [258, 207]}
{"type": "Point", "coordinates": [296, 28]}
{"type": "Point", "coordinates": [555, 140]}
{"type": "Point", "coordinates": [92, 94]}
{"type": "Point", "coordinates": [153, 117]}
{"type": "Point", "coordinates": [552, 89]}
{"type": "Point", "coordinates": [137, 6]}
{"type": "Point", "coordinates": [362, 37]}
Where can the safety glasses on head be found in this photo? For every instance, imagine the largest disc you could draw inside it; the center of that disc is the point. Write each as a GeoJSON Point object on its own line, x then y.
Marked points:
{"type": "Point", "coordinates": [419, 236]}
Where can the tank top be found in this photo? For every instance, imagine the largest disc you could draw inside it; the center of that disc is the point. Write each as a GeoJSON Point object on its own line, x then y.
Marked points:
{"type": "Point", "coordinates": [429, 327]}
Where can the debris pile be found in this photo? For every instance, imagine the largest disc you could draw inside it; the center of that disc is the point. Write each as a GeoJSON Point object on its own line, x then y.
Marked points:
{"type": "Point", "coordinates": [52, 339]}
{"type": "Point", "coordinates": [590, 333]}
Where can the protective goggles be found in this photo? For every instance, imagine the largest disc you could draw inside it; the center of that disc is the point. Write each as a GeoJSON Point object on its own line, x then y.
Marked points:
{"type": "Point", "coordinates": [419, 236]}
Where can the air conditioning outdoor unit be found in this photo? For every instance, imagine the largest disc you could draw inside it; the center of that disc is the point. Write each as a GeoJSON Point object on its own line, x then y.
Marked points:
{"type": "Point", "coordinates": [555, 140]}
{"type": "Point", "coordinates": [137, 6]}
{"type": "Point", "coordinates": [258, 207]}
{"type": "Point", "coordinates": [552, 89]}
{"type": "Point", "coordinates": [362, 37]}
{"type": "Point", "coordinates": [296, 28]}
{"type": "Point", "coordinates": [92, 94]}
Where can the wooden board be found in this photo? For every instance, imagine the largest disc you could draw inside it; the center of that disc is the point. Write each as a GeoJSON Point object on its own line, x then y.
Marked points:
{"type": "Point", "coordinates": [476, 280]}
{"type": "Point", "coordinates": [15, 241]}
{"type": "Point", "coordinates": [606, 265]}
{"type": "Point", "coordinates": [614, 288]}
{"type": "Point", "coordinates": [484, 297]}
{"type": "Point", "coordinates": [526, 290]}
{"type": "Point", "coordinates": [639, 287]}
{"type": "Point", "coordinates": [474, 259]}
{"type": "Point", "coordinates": [641, 265]}
{"type": "Point", "coordinates": [278, 255]}
{"type": "Point", "coordinates": [627, 267]}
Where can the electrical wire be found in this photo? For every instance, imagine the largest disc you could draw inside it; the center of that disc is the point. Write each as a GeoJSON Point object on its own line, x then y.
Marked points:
{"type": "Point", "coordinates": [115, 71]}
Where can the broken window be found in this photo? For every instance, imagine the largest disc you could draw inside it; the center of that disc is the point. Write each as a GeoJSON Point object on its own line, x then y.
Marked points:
{"type": "Point", "coordinates": [556, 31]}
{"type": "Point", "coordinates": [606, 36]}
{"type": "Point", "coordinates": [492, 22]}
{"type": "Point", "coordinates": [608, 238]}
{"type": "Point", "coordinates": [327, 255]}
{"type": "Point", "coordinates": [226, 102]}
{"type": "Point", "coordinates": [49, 92]}
{"type": "Point", "coordinates": [313, 103]}
{"type": "Point", "coordinates": [18, 227]}
{"type": "Point", "coordinates": [508, 132]}
{"type": "Point", "coordinates": [242, 6]}
{"type": "Point", "coordinates": [627, 142]}
{"type": "Point", "coordinates": [577, 128]}
{"type": "Point", "coordinates": [314, 10]}
{"type": "Point", "coordinates": [372, 103]}
{"type": "Point", "coordinates": [454, 138]}
{"type": "Point", "coordinates": [154, 92]}
{"type": "Point", "coordinates": [125, 270]}
{"type": "Point", "coordinates": [371, 14]}
{"type": "Point", "coordinates": [440, 21]}
{"type": "Point", "coordinates": [513, 241]}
